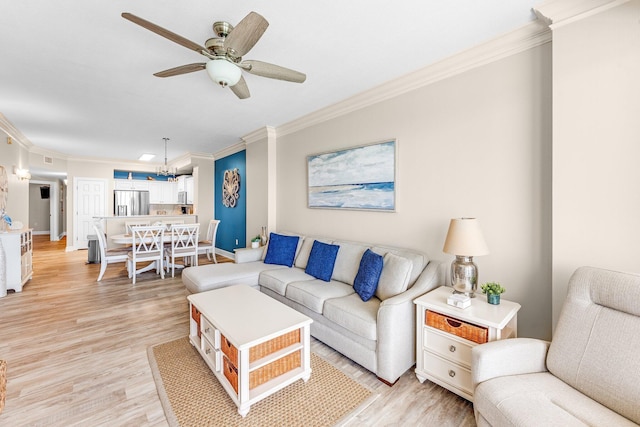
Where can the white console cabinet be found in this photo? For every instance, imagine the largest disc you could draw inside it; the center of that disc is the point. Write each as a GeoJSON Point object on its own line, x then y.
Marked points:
{"type": "Point", "coordinates": [18, 248]}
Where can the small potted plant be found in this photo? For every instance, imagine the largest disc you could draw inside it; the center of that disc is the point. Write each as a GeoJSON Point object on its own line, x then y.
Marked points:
{"type": "Point", "coordinates": [493, 291]}
{"type": "Point", "coordinates": [255, 242]}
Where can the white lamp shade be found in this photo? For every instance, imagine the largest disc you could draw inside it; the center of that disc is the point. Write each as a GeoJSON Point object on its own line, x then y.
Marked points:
{"type": "Point", "coordinates": [223, 72]}
{"type": "Point", "coordinates": [465, 238]}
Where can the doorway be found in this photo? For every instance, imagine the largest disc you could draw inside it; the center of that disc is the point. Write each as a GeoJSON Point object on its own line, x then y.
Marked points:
{"type": "Point", "coordinates": [45, 213]}
{"type": "Point", "coordinates": [89, 201]}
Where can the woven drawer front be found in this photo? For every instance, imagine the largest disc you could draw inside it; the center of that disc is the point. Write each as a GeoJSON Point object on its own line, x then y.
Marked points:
{"type": "Point", "coordinates": [453, 326]}
{"type": "Point", "coordinates": [265, 373]}
{"type": "Point", "coordinates": [229, 349]}
{"type": "Point", "coordinates": [274, 369]}
{"type": "Point", "coordinates": [261, 350]}
{"type": "Point", "coordinates": [230, 373]}
{"type": "Point", "coordinates": [278, 343]}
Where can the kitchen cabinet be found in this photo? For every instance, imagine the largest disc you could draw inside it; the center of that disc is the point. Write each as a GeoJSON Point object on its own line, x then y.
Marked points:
{"type": "Point", "coordinates": [163, 193]}
{"type": "Point", "coordinates": [126, 184]}
{"type": "Point", "coordinates": [189, 189]}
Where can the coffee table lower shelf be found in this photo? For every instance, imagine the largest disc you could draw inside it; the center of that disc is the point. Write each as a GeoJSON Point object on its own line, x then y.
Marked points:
{"type": "Point", "coordinates": [257, 393]}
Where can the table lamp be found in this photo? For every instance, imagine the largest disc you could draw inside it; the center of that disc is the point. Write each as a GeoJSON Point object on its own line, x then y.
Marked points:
{"type": "Point", "coordinates": [465, 240]}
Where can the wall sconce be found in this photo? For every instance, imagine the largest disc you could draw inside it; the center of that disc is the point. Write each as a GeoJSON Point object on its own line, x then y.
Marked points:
{"type": "Point", "coordinates": [22, 174]}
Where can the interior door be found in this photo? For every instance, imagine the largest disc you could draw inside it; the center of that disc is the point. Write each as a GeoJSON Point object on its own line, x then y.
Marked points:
{"type": "Point", "coordinates": [90, 201]}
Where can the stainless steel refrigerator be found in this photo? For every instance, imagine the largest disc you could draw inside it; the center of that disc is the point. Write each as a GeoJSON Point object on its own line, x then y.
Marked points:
{"type": "Point", "coordinates": [130, 202]}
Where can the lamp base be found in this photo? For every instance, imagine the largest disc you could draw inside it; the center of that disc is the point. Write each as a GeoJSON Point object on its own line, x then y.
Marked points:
{"type": "Point", "coordinates": [464, 276]}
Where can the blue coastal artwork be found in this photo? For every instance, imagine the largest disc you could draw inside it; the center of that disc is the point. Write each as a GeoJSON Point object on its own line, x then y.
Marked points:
{"type": "Point", "coordinates": [356, 178]}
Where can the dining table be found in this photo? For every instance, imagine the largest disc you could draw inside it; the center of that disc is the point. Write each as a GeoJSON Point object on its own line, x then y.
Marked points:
{"type": "Point", "coordinates": [126, 239]}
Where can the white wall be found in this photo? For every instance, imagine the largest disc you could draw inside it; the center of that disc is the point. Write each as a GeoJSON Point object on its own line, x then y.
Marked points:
{"type": "Point", "coordinates": [477, 144]}
{"type": "Point", "coordinates": [596, 144]}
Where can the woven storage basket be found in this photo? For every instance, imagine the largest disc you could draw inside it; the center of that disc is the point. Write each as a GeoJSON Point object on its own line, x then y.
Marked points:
{"type": "Point", "coordinates": [3, 383]}
{"type": "Point", "coordinates": [453, 326]}
{"type": "Point", "coordinates": [264, 373]}
{"type": "Point", "coordinates": [261, 350]}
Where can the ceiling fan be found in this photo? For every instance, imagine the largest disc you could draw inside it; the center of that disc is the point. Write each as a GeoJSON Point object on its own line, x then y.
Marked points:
{"type": "Point", "coordinates": [225, 53]}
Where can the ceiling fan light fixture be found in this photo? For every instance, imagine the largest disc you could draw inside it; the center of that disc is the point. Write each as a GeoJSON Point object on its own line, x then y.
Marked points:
{"type": "Point", "coordinates": [223, 72]}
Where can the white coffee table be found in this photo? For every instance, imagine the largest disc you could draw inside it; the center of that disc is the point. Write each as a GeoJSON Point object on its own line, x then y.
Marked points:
{"type": "Point", "coordinates": [254, 344]}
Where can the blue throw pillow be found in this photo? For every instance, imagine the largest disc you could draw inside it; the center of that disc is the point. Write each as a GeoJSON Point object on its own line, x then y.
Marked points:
{"type": "Point", "coordinates": [321, 260]}
{"type": "Point", "coordinates": [281, 249]}
{"type": "Point", "coordinates": [366, 281]}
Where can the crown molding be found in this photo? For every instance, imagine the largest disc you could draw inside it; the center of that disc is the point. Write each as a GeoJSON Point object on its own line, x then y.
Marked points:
{"type": "Point", "coordinates": [266, 132]}
{"type": "Point", "coordinates": [556, 13]}
{"type": "Point", "coordinates": [14, 132]}
{"type": "Point", "coordinates": [49, 153]}
{"type": "Point", "coordinates": [526, 37]}
{"type": "Point", "coordinates": [233, 149]}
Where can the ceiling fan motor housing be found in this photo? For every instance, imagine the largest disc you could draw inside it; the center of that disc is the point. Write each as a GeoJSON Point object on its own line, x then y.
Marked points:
{"type": "Point", "coordinates": [223, 72]}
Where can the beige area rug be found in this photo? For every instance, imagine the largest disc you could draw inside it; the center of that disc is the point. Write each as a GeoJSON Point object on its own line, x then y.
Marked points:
{"type": "Point", "coordinates": [192, 396]}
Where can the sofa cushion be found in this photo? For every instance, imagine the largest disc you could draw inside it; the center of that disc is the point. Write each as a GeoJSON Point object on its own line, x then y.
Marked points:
{"type": "Point", "coordinates": [355, 315]}
{"type": "Point", "coordinates": [277, 280]}
{"type": "Point", "coordinates": [540, 399]}
{"type": "Point", "coordinates": [418, 259]}
{"type": "Point", "coordinates": [313, 293]}
{"type": "Point", "coordinates": [302, 258]}
{"type": "Point", "coordinates": [213, 276]}
{"type": "Point", "coordinates": [281, 249]}
{"type": "Point", "coordinates": [366, 281]}
{"type": "Point", "coordinates": [395, 276]}
{"type": "Point", "coordinates": [347, 261]}
{"type": "Point", "coordinates": [322, 260]}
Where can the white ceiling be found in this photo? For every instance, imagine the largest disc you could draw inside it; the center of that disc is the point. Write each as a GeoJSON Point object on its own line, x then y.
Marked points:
{"type": "Point", "coordinates": [76, 78]}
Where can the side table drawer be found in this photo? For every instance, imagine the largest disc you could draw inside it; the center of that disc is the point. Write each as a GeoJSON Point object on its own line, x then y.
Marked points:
{"type": "Point", "coordinates": [447, 347]}
{"type": "Point", "coordinates": [448, 372]}
{"type": "Point", "coordinates": [210, 332]}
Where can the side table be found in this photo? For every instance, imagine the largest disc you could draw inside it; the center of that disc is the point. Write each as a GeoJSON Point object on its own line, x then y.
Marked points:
{"type": "Point", "coordinates": [445, 336]}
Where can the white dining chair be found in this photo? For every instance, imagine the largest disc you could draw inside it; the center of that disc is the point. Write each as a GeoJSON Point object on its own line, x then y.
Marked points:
{"type": "Point", "coordinates": [184, 243]}
{"type": "Point", "coordinates": [208, 246]}
{"type": "Point", "coordinates": [146, 246]}
{"type": "Point", "coordinates": [108, 256]}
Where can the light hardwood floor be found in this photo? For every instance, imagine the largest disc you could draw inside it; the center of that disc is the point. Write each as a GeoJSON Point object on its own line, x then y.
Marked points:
{"type": "Point", "coordinates": [76, 351]}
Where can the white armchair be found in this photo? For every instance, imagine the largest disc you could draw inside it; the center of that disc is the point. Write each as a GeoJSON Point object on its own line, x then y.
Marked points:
{"type": "Point", "coordinates": [587, 375]}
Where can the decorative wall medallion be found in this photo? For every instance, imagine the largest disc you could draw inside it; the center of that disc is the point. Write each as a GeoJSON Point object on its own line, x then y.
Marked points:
{"type": "Point", "coordinates": [231, 188]}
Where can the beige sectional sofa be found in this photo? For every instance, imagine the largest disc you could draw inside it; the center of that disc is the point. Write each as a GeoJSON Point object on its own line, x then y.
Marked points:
{"type": "Point", "coordinates": [589, 375]}
{"type": "Point", "coordinates": [378, 334]}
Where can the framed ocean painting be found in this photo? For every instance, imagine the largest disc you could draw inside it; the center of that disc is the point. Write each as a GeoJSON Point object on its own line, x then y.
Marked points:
{"type": "Point", "coordinates": [362, 177]}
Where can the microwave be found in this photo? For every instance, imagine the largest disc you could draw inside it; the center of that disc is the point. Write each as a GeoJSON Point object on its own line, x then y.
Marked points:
{"type": "Point", "coordinates": [182, 197]}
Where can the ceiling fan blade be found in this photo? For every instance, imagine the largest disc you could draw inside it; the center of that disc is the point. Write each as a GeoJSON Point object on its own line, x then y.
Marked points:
{"type": "Point", "coordinates": [246, 34]}
{"type": "Point", "coordinates": [272, 71]}
{"type": "Point", "coordinates": [164, 33]}
{"type": "Point", "coordinates": [241, 89]}
{"type": "Point", "coordinates": [183, 69]}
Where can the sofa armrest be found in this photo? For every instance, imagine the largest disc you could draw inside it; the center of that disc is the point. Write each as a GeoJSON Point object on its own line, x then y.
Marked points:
{"type": "Point", "coordinates": [397, 324]}
{"type": "Point", "coordinates": [248, 254]}
{"type": "Point", "coordinates": [515, 356]}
